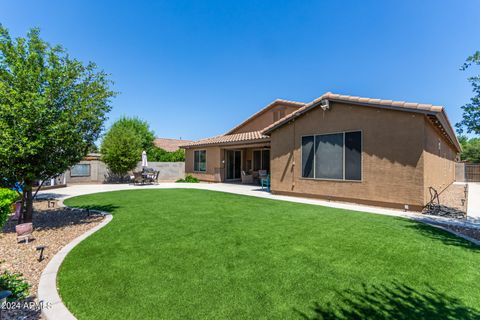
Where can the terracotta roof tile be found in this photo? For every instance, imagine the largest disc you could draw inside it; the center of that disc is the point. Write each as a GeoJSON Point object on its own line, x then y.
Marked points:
{"type": "Point", "coordinates": [438, 111]}
{"type": "Point", "coordinates": [229, 139]}
{"type": "Point", "coordinates": [269, 106]}
{"type": "Point", "coordinates": [170, 145]}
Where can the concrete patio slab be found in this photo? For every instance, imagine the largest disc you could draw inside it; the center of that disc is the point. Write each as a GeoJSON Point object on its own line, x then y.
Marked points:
{"type": "Point", "coordinates": [47, 290]}
{"type": "Point", "coordinates": [473, 206]}
{"type": "Point", "coordinates": [248, 190]}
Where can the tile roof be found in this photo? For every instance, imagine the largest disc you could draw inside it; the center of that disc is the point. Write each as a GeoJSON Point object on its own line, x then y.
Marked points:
{"type": "Point", "coordinates": [253, 136]}
{"type": "Point", "coordinates": [170, 145]}
{"type": "Point", "coordinates": [269, 106]}
{"type": "Point", "coordinates": [429, 109]}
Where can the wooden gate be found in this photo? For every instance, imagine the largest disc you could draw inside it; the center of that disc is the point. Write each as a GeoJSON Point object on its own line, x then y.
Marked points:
{"type": "Point", "coordinates": [472, 172]}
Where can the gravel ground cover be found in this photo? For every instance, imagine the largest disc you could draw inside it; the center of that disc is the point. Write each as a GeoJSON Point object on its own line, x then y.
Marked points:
{"type": "Point", "coordinates": [53, 227]}
{"type": "Point", "coordinates": [469, 232]}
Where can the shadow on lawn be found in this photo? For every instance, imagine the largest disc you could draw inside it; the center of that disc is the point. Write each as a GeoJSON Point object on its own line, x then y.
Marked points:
{"type": "Point", "coordinates": [392, 301]}
{"type": "Point", "coordinates": [442, 235]}
{"type": "Point", "coordinates": [110, 208]}
{"type": "Point", "coordinates": [62, 217]}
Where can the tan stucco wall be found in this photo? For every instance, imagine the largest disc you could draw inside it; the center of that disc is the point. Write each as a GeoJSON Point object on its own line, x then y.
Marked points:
{"type": "Point", "coordinates": [392, 168]}
{"type": "Point", "coordinates": [265, 119]}
{"type": "Point", "coordinates": [439, 161]}
{"type": "Point", "coordinates": [98, 170]}
{"type": "Point", "coordinates": [168, 171]}
{"type": "Point", "coordinates": [214, 172]}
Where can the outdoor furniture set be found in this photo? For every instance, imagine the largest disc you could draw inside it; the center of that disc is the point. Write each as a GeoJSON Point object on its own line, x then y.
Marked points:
{"type": "Point", "coordinates": [261, 177]}
{"type": "Point", "coordinates": [146, 176]}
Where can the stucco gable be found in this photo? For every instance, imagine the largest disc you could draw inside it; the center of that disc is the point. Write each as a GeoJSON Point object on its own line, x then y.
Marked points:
{"type": "Point", "coordinates": [437, 113]}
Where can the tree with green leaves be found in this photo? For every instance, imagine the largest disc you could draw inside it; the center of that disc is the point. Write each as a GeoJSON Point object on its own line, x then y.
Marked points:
{"type": "Point", "coordinates": [470, 149]}
{"type": "Point", "coordinates": [159, 154]}
{"type": "Point", "coordinates": [52, 110]}
{"type": "Point", "coordinates": [123, 144]}
{"type": "Point", "coordinates": [471, 111]}
{"type": "Point", "coordinates": [121, 150]}
{"type": "Point", "coordinates": [141, 129]}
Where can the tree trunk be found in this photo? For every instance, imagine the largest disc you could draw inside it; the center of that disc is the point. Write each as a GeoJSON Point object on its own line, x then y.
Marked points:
{"type": "Point", "coordinates": [22, 208]}
{"type": "Point", "coordinates": [28, 213]}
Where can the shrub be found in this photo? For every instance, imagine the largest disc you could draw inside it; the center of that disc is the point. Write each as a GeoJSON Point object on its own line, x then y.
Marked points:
{"type": "Point", "coordinates": [161, 155]}
{"type": "Point", "coordinates": [121, 149]}
{"type": "Point", "coordinates": [189, 179]}
{"type": "Point", "coordinates": [7, 198]}
{"type": "Point", "coordinates": [470, 149]}
{"type": "Point", "coordinates": [15, 283]}
{"type": "Point", "coordinates": [140, 128]}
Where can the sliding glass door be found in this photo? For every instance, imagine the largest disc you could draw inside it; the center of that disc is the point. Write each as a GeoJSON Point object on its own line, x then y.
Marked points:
{"type": "Point", "coordinates": [261, 160]}
{"type": "Point", "coordinates": [233, 164]}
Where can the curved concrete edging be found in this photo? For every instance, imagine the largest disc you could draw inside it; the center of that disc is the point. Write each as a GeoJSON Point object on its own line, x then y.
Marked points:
{"type": "Point", "coordinates": [53, 307]}
{"type": "Point", "coordinates": [47, 289]}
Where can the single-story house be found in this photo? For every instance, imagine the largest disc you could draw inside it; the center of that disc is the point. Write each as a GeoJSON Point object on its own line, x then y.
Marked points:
{"type": "Point", "coordinates": [337, 147]}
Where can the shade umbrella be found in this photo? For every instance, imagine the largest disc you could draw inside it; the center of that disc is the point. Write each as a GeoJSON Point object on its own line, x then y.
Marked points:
{"type": "Point", "coordinates": [144, 159]}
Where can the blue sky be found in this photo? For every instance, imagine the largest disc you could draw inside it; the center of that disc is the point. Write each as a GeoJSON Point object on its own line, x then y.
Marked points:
{"type": "Point", "coordinates": [194, 69]}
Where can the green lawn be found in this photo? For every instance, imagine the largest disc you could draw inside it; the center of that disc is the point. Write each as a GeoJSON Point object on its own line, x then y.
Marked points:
{"type": "Point", "coordinates": [194, 254]}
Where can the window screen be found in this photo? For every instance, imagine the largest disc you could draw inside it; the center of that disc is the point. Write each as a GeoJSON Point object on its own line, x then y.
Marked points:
{"type": "Point", "coordinates": [266, 160]}
{"type": "Point", "coordinates": [257, 160]}
{"type": "Point", "coordinates": [353, 155]}
{"type": "Point", "coordinates": [329, 156]}
{"type": "Point", "coordinates": [80, 170]}
{"type": "Point", "coordinates": [307, 156]}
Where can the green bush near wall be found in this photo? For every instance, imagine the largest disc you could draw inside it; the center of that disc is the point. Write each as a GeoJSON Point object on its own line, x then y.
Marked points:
{"type": "Point", "coordinates": [189, 179]}
{"type": "Point", "coordinates": [7, 198]}
{"type": "Point", "coordinates": [160, 155]}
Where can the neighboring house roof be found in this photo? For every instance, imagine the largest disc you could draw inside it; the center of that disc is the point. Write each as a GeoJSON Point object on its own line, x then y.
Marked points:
{"type": "Point", "coordinates": [268, 107]}
{"type": "Point", "coordinates": [170, 145]}
{"type": "Point", "coordinates": [435, 113]}
{"type": "Point", "coordinates": [248, 137]}
{"type": "Point", "coordinates": [92, 156]}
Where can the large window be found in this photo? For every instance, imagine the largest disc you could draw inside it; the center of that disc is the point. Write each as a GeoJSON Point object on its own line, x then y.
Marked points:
{"type": "Point", "coordinates": [308, 153]}
{"type": "Point", "coordinates": [200, 160]}
{"type": "Point", "coordinates": [335, 156]}
{"type": "Point", "coordinates": [80, 170]}
{"type": "Point", "coordinates": [261, 160]}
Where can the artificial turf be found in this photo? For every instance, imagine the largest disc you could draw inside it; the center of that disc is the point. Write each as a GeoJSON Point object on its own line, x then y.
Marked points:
{"type": "Point", "coordinates": [195, 254]}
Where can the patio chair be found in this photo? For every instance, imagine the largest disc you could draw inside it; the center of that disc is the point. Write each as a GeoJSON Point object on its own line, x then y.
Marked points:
{"type": "Point", "coordinates": [247, 178]}
{"type": "Point", "coordinates": [265, 182]}
{"type": "Point", "coordinates": [137, 178]}
{"type": "Point", "coordinates": [155, 177]}
{"type": "Point", "coordinates": [24, 231]}
{"type": "Point", "coordinates": [262, 174]}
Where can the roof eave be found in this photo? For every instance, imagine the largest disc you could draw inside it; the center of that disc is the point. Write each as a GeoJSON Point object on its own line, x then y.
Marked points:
{"type": "Point", "coordinates": [318, 102]}
{"type": "Point", "coordinates": [439, 114]}
{"type": "Point", "coordinates": [219, 144]}
{"type": "Point", "coordinates": [265, 109]}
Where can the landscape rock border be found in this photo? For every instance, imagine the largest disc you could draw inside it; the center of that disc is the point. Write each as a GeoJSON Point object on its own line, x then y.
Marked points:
{"type": "Point", "coordinates": [48, 296]}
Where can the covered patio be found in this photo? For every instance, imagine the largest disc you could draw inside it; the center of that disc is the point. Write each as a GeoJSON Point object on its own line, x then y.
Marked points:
{"type": "Point", "coordinates": [246, 163]}
{"type": "Point", "coordinates": [235, 158]}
